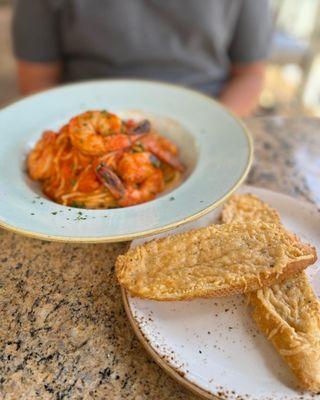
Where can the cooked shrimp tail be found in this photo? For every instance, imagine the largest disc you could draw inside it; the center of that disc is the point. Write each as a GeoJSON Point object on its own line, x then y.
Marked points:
{"type": "Point", "coordinates": [142, 127]}
{"type": "Point", "coordinates": [110, 180]}
{"type": "Point", "coordinates": [165, 150]}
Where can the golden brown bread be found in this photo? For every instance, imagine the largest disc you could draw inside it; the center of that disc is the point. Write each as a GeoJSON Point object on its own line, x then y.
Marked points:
{"type": "Point", "coordinates": [248, 207]}
{"type": "Point", "coordinates": [288, 313]}
{"type": "Point", "coordinates": [218, 260]}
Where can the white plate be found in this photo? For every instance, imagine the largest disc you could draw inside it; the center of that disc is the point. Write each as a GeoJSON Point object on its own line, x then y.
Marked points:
{"type": "Point", "coordinates": [212, 346]}
{"type": "Point", "coordinates": [214, 146]}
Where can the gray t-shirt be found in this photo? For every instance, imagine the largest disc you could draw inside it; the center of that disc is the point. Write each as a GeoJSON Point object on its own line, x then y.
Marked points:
{"type": "Point", "coordinates": [192, 42]}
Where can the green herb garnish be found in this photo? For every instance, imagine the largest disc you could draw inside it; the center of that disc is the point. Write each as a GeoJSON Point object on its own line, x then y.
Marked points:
{"type": "Point", "coordinates": [77, 204]}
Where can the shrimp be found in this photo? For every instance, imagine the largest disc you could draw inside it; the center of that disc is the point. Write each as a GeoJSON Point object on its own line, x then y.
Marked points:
{"type": "Point", "coordinates": [146, 191]}
{"type": "Point", "coordinates": [163, 148]}
{"type": "Point", "coordinates": [98, 132]}
{"type": "Point", "coordinates": [141, 180]}
{"type": "Point", "coordinates": [136, 167]}
{"type": "Point", "coordinates": [40, 162]}
{"type": "Point", "coordinates": [129, 195]}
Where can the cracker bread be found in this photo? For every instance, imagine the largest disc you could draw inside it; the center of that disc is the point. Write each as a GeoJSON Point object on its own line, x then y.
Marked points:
{"type": "Point", "coordinates": [219, 260]}
{"type": "Point", "coordinates": [288, 313]}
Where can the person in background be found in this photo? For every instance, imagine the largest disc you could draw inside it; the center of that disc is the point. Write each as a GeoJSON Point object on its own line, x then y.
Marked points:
{"type": "Point", "coordinates": [216, 46]}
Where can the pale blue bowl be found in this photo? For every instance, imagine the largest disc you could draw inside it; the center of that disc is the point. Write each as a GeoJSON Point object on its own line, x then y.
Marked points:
{"type": "Point", "coordinates": [214, 145]}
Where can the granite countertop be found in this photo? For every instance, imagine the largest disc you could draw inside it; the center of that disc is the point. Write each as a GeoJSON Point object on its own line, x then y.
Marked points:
{"type": "Point", "coordinates": [64, 332]}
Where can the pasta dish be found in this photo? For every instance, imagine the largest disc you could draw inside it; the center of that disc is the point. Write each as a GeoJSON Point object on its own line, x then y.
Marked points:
{"type": "Point", "coordinates": [98, 160]}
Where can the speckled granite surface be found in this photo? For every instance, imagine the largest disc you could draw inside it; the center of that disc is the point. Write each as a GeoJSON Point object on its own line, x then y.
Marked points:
{"type": "Point", "coordinates": [287, 156]}
{"type": "Point", "coordinates": [63, 330]}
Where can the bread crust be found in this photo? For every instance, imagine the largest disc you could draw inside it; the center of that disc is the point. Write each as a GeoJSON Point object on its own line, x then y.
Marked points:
{"type": "Point", "coordinates": [214, 261]}
{"type": "Point", "coordinates": [288, 313]}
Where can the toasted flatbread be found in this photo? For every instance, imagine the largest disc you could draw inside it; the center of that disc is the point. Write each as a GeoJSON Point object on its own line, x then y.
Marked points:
{"type": "Point", "coordinates": [248, 207]}
{"type": "Point", "coordinates": [288, 313]}
{"type": "Point", "coordinates": [218, 260]}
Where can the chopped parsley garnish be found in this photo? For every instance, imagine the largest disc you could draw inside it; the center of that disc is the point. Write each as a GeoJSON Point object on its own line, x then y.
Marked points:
{"type": "Point", "coordinates": [80, 218]}
{"type": "Point", "coordinates": [137, 148]}
{"type": "Point", "coordinates": [77, 204]}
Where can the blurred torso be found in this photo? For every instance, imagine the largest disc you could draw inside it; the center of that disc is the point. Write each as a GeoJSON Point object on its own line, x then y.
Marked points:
{"type": "Point", "coordinates": [185, 41]}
